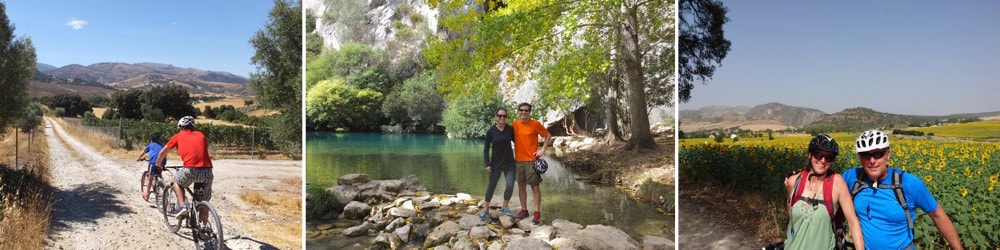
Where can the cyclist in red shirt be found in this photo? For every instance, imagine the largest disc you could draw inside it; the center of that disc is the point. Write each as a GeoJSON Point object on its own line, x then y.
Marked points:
{"type": "Point", "coordinates": [193, 149]}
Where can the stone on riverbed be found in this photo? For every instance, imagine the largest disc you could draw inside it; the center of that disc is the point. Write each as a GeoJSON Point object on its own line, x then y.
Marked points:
{"type": "Point", "coordinates": [654, 242]}
{"type": "Point", "coordinates": [343, 193]}
{"type": "Point", "coordinates": [356, 210]}
{"type": "Point", "coordinates": [604, 237]}
{"type": "Point", "coordinates": [468, 221]}
{"type": "Point", "coordinates": [358, 230]}
{"type": "Point", "coordinates": [528, 243]}
{"type": "Point", "coordinates": [351, 179]}
{"type": "Point", "coordinates": [565, 228]}
{"type": "Point", "coordinates": [442, 233]}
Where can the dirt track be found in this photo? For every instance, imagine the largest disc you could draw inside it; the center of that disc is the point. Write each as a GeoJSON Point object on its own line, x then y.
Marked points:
{"type": "Point", "coordinates": [98, 205]}
{"type": "Point", "coordinates": [702, 227]}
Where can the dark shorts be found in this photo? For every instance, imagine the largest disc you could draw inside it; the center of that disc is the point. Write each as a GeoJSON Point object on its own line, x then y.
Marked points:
{"type": "Point", "coordinates": [152, 170]}
{"type": "Point", "coordinates": [526, 173]}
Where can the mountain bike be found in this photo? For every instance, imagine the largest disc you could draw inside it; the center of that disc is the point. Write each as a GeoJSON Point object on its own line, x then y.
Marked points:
{"type": "Point", "coordinates": [157, 185]}
{"type": "Point", "coordinates": [208, 231]}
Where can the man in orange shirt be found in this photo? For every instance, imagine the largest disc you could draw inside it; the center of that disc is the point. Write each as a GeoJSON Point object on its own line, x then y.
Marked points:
{"type": "Point", "coordinates": [193, 148]}
{"type": "Point", "coordinates": [526, 132]}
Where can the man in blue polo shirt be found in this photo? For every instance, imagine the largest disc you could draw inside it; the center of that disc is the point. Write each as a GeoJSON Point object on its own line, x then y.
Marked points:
{"type": "Point", "coordinates": [884, 223]}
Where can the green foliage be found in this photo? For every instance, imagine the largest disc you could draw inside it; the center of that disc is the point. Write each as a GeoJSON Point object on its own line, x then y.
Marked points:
{"type": "Point", "coordinates": [31, 118]}
{"type": "Point", "coordinates": [60, 112]}
{"type": "Point", "coordinates": [417, 106]}
{"type": "Point", "coordinates": [135, 131]}
{"type": "Point", "coordinates": [321, 205]}
{"type": "Point", "coordinates": [278, 84]}
{"type": "Point", "coordinates": [17, 64]}
{"type": "Point", "coordinates": [171, 100]}
{"type": "Point", "coordinates": [127, 103]}
{"type": "Point", "coordinates": [98, 100]}
{"type": "Point", "coordinates": [717, 138]}
{"type": "Point", "coordinates": [332, 104]}
{"type": "Point", "coordinates": [471, 116]}
{"type": "Point", "coordinates": [73, 105]}
{"type": "Point", "coordinates": [703, 42]}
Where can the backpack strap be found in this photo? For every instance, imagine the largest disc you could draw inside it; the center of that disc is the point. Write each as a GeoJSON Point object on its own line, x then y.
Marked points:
{"type": "Point", "coordinates": [798, 189]}
{"type": "Point", "coordinates": [859, 183]}
{"type": "Point", "coordinates": [897, 187]}
{"type": "Point", "coordinates": [828, 193]}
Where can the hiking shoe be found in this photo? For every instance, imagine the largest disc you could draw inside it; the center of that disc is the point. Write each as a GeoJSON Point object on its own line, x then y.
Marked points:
{"type": "Point", "coordinates": [484, 215]}
{"type": "Point", "coordinates": [537, 220]}
{"type": "Point", "coordinates": [182, 212]}
{"type": "Point", "coordinates": [506, 212]}
{"type": "Point", "coordinates": [521, 215]}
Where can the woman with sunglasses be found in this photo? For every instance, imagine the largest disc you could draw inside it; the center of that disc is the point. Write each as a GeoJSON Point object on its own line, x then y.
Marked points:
{"type": "Point", "coordinates": [500, 139]}
{"type": "Point", "coordinates": [814, 196]}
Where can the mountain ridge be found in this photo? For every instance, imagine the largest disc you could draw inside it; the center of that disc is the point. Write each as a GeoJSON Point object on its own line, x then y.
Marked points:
{"type": "Point", "coordinates": [145, 75]}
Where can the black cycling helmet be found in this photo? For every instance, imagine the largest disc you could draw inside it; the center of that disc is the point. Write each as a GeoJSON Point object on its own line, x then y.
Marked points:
{"type": "Point", "coordinates": [824, 142]}
{"type": "Point", "coordinates": [154, 137]}
{"type": "Point", "coordinates": [541, 166]}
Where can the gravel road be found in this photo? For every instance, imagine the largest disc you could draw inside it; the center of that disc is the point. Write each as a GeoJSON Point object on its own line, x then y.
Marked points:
{"type": "Point", "coordinates": [98, 203]}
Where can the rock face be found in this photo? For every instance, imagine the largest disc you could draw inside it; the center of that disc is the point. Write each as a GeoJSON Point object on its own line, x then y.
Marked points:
{"type": "Point", "coordinates": [604, 237]}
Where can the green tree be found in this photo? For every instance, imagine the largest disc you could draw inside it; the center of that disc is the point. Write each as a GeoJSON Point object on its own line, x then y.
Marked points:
{"type": "Point", "coordinates": [17, 64]}
{"type": "Point", "coordinates": [332, 104]}
{"type": "Point", "coordinates": [703, 42]}
{"type": "Point", "coordinates": [171, 100]}
{"type": "Point", "coordinates": [417, 106]}
{"type": "Point", "coordinates": [468, 116]}
{"type": "Point", "coordinates": [127, 103]}
{"type": "Point", "coordinates": [73, 105]}
{"type": "Point", "coordinates": [278, 82]}
{"type": "Point", "coordinates": [567, 44]}
{"type": "Point", "coordinates": [31, 118]}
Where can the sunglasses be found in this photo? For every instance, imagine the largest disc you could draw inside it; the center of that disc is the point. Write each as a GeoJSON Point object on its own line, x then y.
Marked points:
{"type": "Point", "coordinates": [872, 154]}
{"type": "Point", "coordinates": [501, 116]}
{"type": "Point", "coordinates": [524, 110]}
{"type": "Point", "coordinates": [828, 157]}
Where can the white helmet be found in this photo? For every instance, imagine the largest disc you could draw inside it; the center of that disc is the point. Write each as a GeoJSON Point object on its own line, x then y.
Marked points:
{"type": "Point", "coordinates": [871, 140]}
{"type": "Point", "coordinates": [185, 121]}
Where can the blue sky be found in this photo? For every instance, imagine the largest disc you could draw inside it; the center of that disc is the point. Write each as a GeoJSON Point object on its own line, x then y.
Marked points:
{"type": "Point", "coordinates": [912, 57]}
{"type": "Point", "coordinates": [208, 35]}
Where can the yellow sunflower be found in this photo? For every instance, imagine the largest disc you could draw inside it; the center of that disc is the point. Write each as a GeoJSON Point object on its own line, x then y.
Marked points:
{"type": "Point", "coordinates": [928, 178]}
{"type": "Point", "coordinates": [993, 179]}
{"type": "Point", "coordinates": [964, 192]}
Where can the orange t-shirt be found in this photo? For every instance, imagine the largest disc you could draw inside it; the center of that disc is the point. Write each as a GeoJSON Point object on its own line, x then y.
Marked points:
{"type": "Point", "coordinates": [526, 139]}
{"type": "Point", "coordinates": [193, 148]}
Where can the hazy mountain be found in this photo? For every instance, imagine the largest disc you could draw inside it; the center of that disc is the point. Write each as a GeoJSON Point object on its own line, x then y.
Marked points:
{"type": "Point", "coordinates": [45, 68]}
{"type": "Point", "coordinates": [789, 115]}
{"type": "Point", "coordinates": [42, 84]}
{"type": "Point", "coordinates": [146, 75]}
{"type": "Point", "coordinates": [859, 119]}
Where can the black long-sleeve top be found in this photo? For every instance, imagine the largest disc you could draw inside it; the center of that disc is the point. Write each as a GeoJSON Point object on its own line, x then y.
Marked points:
{"type": "Point", "coordinates": [501, 143]}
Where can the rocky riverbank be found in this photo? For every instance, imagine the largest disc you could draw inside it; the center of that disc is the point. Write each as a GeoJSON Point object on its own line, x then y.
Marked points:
{"type": "Point", "coordinates": [402, 214]}
{"type": "Point", "coordinates": [646, 175]}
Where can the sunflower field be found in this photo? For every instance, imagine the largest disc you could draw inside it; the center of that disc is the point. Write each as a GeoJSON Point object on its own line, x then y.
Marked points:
{"type": "Point", "coordinates": [962, 176]}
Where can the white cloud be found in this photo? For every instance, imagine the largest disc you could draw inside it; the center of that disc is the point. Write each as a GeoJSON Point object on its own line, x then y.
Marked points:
{"type": "Point", "coordinates": [76, 24]}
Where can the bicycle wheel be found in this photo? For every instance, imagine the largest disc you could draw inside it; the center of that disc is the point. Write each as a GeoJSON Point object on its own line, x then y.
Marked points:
{"type": "Point", "coordinates": [142, 180]}
{"type": "Point", "coordinates": [210, 231]}
{"type": "Point", "coordinates": [155, 193]}
{"type": "Point", "coordinates": [169, 206]}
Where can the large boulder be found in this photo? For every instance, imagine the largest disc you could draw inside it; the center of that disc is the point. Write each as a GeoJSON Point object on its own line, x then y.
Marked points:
{"type": "Point", "coordinates": [356, 210]}
{"type": "Point", "coordinates": [650, 242]}
{"type": "Point", "coordinates": [412, 183]}
{"type": "Point", "coordinates": [394, 186]}
{"type": "Point", "coordinates": [479, 234]}
{"type": "Point", "coordinates": [351, 179]}
{"type": "Point", "coordinates": [563, 243]}
{"type": "Point", "coordinates": [344, 193]}
{"type": "Point", "coordinates": [528, 243]}
{"type": "Point", "coordinates": [442, 233]}
{"type": "Point", "coordinates": [565, 228]}
{"type": "Point", "coordinates": [402, 212]}
{"type": "Point", "coordinates": [468, 221]}
{"type": "Point", "coordinates": [506, 221]}
{"type": "Point", "coordinates": [604, 237]}
{"type": "Point", "coordinates": [544, 233]}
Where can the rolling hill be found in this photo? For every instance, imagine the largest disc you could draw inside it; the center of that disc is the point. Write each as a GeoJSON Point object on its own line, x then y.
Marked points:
{"type": "Point", "coordinates": [113, 75]}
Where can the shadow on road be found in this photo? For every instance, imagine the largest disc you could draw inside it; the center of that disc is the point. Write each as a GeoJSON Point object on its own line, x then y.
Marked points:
{"type": "Point", "coordinates": [85, 203]}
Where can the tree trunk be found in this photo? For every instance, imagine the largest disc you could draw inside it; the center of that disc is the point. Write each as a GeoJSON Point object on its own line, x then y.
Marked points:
{"type": "Point", "coordinates": [612, 132]}
{"type": "Point", "coordinates": [635, 84]}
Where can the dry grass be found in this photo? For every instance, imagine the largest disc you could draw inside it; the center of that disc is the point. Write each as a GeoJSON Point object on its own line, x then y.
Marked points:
{"type": "Point", "coordinates": [752, 213]}
{"type": "Point", "coordinates": [284, 212]}
{"type": "Point", "coordinates": [99, 112]}
{"type": "Point", "coordinates": [229, 100]}
{"type": "Point", "coordinates": [100, 141]}
{"type": "Point", "coordinates": [25, 193]}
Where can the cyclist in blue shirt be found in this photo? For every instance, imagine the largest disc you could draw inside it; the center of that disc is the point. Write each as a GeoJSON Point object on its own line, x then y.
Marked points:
{"type": "Point", "coordinates": [153, 150]}
{"type": "Point", "coordinates": [879, 192]}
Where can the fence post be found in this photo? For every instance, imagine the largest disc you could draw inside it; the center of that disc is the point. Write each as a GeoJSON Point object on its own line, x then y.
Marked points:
{"type": "Point", "coordinates": [253, 139]}
{"type": "Point", "coordinates": [15, 148]}
{"type": "Point", "coordinates": [119, 139]}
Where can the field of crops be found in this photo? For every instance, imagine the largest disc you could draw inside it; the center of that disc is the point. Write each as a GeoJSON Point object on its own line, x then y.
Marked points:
{"type": "Point", "coordinates": [975, 130]}
{"type": "Point", "coordinates": [962, 176]}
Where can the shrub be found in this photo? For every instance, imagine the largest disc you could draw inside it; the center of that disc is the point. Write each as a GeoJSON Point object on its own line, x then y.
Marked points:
{"type": "Point", "coordinates": [470, 116]}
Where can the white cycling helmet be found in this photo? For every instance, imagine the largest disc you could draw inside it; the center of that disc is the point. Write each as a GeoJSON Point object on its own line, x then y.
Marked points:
{"type": "Point", "coordinates": [185, 121]}
{"type": "Point", "coordinates": [871, 140]}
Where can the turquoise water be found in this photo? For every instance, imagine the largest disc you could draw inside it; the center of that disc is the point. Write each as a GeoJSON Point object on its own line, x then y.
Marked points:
{"type": "Point", "coordinates": [456, 165]}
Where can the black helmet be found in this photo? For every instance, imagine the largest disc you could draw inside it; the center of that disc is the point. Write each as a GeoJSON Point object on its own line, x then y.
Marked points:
{"type": "Point", "coordinates": [541, 166]}
{"type": "Point", "coordinates": [824, 142]}
{"type": "Point", "coordinates": [154, 137]}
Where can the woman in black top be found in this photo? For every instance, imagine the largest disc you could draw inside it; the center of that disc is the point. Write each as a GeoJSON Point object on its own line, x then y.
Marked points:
{"type": "Point", "coordinates": [500, 138]}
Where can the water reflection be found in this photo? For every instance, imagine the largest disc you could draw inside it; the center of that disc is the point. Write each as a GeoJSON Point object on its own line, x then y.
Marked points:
{"type": "Point", "coordinates": [451, 166]}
